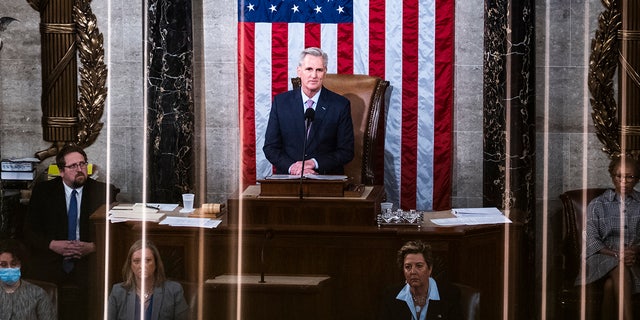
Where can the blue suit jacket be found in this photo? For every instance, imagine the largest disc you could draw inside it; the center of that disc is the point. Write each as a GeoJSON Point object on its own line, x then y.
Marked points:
{"type": "Point", "coordinates": [448, 307]}
{"type": "Point", "coordinates": [330, 139]}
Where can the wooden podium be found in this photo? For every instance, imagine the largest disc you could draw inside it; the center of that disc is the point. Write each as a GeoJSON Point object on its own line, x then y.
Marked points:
{"type": "Point", "coordinates": [309, 187]}
{"type": "Point", "coordinates": [252, 207]}
{"type": "Point", "coordinates": [279, 297]}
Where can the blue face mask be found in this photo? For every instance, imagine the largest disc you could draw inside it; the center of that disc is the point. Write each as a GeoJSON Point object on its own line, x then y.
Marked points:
{"type": "Point", "coordinates": [10, 275]}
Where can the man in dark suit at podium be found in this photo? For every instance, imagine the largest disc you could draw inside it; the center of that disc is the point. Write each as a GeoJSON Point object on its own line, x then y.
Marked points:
{"type": "Point", "coordinates": [59, 230]}
{"type": "Point", "coordinates": [329, 137]}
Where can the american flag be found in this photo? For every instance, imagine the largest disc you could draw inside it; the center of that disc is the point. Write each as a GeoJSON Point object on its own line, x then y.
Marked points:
{"type": "Point", "coordinates": [407, 42]}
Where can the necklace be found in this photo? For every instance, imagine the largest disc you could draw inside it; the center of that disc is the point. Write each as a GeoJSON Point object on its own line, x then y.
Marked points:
{"type": "Point", "coordinates": [419, 300]}
{"type": "Point", "coordinates": [147, 295]}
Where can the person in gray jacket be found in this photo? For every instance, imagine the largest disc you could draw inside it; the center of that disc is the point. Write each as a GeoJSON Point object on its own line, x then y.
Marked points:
{"type": "Point", "coordinates": [145, 290]}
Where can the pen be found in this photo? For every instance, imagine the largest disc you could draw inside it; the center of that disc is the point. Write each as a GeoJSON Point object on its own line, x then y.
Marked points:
{"type": "Point", "coordinates": [157, 207]}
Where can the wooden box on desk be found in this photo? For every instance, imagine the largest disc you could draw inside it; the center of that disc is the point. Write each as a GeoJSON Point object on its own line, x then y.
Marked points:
{"type": "Point", "coordinates": [279, 297]}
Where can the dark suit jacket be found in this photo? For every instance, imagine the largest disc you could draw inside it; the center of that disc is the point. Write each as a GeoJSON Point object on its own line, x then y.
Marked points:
{"type": "Point", "coordinates": [330, 140]}
{"type": "Point", "coordinates": [447, 308]}
{"type": "Point", "coordinates": [47, 221]}
{"type": "Point", "coordinates": [168, 303]}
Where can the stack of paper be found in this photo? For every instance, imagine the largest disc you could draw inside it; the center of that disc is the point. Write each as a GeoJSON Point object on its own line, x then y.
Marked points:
{"type": "Point", "coordinates": [135, 212]}
{"type": "Point", "coordinates": [473, 216]}
{"type": "Point", "coordinates": [191, 222]}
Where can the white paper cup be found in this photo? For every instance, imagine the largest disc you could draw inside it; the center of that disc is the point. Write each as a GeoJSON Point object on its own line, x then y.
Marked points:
{"type": "Point", "coordinates": [187, 201]}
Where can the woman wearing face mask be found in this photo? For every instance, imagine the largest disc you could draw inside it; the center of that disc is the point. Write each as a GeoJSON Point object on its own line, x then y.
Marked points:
{"type": "Point", "coordinates": [20, 299]}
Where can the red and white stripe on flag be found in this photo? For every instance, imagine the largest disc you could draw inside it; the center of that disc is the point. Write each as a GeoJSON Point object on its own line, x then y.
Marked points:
{"type": "Point", "coordinates": [409, 43]}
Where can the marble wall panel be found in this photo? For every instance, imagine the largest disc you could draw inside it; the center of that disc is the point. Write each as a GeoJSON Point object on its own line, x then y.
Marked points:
{"type": "Point", "coordinates": [221, 95]}
{"type": "Point", "coordinates": [20, 97]}
{"type": "Point", "coordinates": [558, 25]}
{"type": "Point", "coordinates": [467, 183]}
{"type": "Point", "coordinates": [223, 164]}
{"type": "Point", "coordinates": [553, 152]}
{"type": "Point", "coordinates": [469, 29]}
{"type": "Point", "coordinates": [125, 161]}
{"type": "Point", "coordinates": [567, 110]}
{"type": "Point", "coordinates": [468, 98]}
{"type": "Point", "coordinates": [14, 147]}
{"type": "Point", "coordinates": [582, 31]}
{"type": "Point", "coordinates": [125, 94]}
{"type": "Point", "coordinates": [220, 31]}
{"type": "Point", "coordinates": [588, 162]}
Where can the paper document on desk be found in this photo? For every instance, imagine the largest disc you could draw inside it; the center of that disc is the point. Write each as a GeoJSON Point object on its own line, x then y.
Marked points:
{"type": "Point", "coordinates": [135, 212]}
{"type": "Point", "coordinates": [330, 177]}
{"type": "Point", "coordinates": [126, 215]}
{"type": "Point", "coordinates": [136, 207]}
{"type": "Point", "coordinates": [473, 216]}
{"type": "Point", "coordinates": [465, 212]}
{"type": "Point", "coordinates": [191, 222]}
{"type": "Point", "coordinates": [282, 177]}
{"type": "Point", "coordinates": [163, 206]}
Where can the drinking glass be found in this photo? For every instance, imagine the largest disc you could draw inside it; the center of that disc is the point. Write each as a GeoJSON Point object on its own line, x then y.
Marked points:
{"type": "Point", "coordinates": [412, 216]}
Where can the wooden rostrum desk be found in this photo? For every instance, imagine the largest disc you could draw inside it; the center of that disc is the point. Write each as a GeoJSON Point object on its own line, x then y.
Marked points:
{"type": "Point", "coordinates": [360, 260]}
{"type": "Point", "coordinates": [291, 210]}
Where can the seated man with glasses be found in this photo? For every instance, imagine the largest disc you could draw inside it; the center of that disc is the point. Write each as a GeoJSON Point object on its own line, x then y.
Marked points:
{"type": "Point", "coordinates": [613, 240]}
{"type": "Point", "coordinates": [58, 228]}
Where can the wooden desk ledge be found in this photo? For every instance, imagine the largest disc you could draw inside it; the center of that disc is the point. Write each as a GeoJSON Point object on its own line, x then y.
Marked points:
{"type": "Point", "coordinates": [270, 280]}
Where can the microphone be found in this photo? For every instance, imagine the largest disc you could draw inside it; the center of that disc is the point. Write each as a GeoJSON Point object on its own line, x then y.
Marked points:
{"type": "Point", "coordinates": [309, 115]}
{"type": "Point", "coordinates": [268, 234]}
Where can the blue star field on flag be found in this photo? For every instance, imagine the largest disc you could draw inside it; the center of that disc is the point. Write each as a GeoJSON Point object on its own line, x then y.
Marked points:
{"type": "Point", "coordinates": [306, 11]}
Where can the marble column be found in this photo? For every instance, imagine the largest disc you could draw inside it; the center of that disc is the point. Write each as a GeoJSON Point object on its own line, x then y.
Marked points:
{"type": "Point", "coordinates": [509, 130]}
{"type": "Point", "coordinates": [170, 111]}
{"type": "Point", "coordinates": [509, 108]}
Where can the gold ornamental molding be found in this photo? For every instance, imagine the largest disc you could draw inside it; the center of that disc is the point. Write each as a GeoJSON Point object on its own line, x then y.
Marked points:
{"type": "Point", "coordinates": [603, 63]}
{"type": "Point", "coordinates": [77, 123]}
{"type": "Point", "coordinates": [93, 74]}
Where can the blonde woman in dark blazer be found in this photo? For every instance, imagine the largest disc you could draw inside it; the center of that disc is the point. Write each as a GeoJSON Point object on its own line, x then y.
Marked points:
{"type": "Point", "coordinates": [155, 297]}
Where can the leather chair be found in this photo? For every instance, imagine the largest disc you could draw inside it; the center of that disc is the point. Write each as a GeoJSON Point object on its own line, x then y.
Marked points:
{"type": "Point", "coordinates": [50, 288]}
{"type": "Point", "coordinates": [470, 301]}
{"type": "Point", "coordinates": [574, 203]}
{"type": "Point", "coordinates": [368, 97]}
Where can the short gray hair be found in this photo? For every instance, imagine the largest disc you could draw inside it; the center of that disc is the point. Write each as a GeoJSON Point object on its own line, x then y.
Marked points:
{"type": "Point", "coordinates": [316, 52]}
{"type": "Point", "coordinates": [415, 247]}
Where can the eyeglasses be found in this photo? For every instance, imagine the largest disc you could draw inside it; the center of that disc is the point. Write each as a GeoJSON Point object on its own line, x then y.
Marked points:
{"type": "Point", "coordinates": [77, 165]}
{"type": "Point", "coordinates": [625, 178]}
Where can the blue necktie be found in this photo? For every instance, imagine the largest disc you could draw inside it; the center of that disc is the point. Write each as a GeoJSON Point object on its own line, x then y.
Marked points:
{"type": "Point", "coordinates": [72, 217]}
